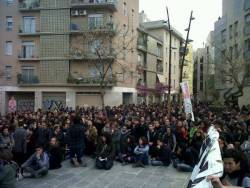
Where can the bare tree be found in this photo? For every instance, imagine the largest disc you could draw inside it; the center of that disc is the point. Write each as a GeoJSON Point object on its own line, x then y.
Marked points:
{"type": "Point", "coordinates": [235, 72]}
{"type": "Point", "coordinates": [106, 46]}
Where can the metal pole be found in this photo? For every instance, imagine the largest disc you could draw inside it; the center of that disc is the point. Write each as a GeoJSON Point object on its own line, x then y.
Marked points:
{"type": "Point", "coordinates": [169, 64]}
{"type": "Point", "coordinates": [184, 54]}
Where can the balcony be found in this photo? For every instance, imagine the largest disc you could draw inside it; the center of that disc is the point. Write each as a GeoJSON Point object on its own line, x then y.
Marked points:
{"type": "Point", "coordinates": [88, 55]}
{"type": "Point", "coordinates": [94, 4]}
{"type": "Point", "coordinates": [28, 32]}
{"type": "Point", "coordinates": [91, 81]}
{"type": "Point", "coordinates": [27, 80]}
{"type": "Point", "coordinates": [25, 56]}
{"type": "Point", "coordinates": [26, 6]}
{"type": "Point", "coordinates": [104, 28]}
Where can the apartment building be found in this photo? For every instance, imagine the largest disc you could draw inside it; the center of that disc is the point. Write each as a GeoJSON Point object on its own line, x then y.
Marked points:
{"type": "Point", "coordinates": [150, 68]}
{"type": "Point", "coordinates": [232, 39]}
{"type": "Point", "coordinates": [200, 76]}
{"type": "Point", "coordinates": [49, 59]}
{"type": "Point", "coordinates": [160, 30]}
{"type": "Point", "coordinates": [204, 72]}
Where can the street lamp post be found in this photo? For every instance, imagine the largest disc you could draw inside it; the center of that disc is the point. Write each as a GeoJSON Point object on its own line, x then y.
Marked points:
{"type": "Point", "coordinates": [184, 54]}
{"type": "Point", "coordinates": [169, 63]}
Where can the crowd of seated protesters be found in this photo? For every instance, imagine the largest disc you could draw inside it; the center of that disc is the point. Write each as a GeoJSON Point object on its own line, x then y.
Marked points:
{"type": "Point", "coordinates": [140, 135]}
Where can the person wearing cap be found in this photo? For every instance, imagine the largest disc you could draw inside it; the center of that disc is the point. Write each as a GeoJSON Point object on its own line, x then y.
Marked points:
{"type": "Point", "coordinates": [37, 165]}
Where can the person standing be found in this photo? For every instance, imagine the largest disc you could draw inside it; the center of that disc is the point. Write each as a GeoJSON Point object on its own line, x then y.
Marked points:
{"type": "Point", "coordinates": [20, 149]}
{"type": "Point", "coordinates": [76, 142]}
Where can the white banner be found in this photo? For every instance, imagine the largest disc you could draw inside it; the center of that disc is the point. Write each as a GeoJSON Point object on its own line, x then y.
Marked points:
{"type": "Point", "coordinates": [187, 100]}
{"type": "Point", "coordinates": [210, 162]}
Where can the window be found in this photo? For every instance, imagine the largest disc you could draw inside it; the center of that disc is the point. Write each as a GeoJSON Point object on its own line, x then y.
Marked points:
{"type": "Point", "coordinates": [247, 45]}
{"type": "Point", "coordinates": [28, 50]}
{"type": "Point", "coordinates": [8, 2]}
{"type": "Point", "coordinates": [231, 52]}
{"type": "Point", "coordinates": [231, 31]}
{"type": "Point", "coordinates": [8, 70]}
{"type": "Point", "coordinates": [159, 50]}
{"type": "Point", "coordinates": [8, 48]}
{"type": "Point", "coordinates": [236, 28]}
{"type": "Point", "coordinates": [28, 72]}
{"type": "Point", "coordinates": [95, 21]}
{"type": "Point", "coordinates": [125, 10]}
{"type": "Point", "coordinates": [223, 36]}
{"type": "Point", "coordinates": [201, 86]}
{"type": "Point", "coordinates": [247, 18]}
{"type": "Point", "coordinates": [29, 24]}
{"type": "Point", "coordinates": [159, 66]}
{"type": "Point", "coordinates": [139, 59]}
{"type": "Point", "coordinates": [9, 23]}
{"type": "Point", "coordinates": [236, 50]}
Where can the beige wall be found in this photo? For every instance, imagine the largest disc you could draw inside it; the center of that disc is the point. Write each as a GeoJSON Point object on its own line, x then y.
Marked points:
{"type": "Point", "coordinates": [88, 99]}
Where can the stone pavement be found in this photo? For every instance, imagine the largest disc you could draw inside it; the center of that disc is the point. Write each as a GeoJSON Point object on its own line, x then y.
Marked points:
{"type": "Point", "coordinates": [118, 177]}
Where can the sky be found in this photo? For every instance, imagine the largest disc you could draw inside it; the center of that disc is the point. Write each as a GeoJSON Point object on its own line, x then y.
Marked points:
{"type": "Point", "coordinates": [206, 12]}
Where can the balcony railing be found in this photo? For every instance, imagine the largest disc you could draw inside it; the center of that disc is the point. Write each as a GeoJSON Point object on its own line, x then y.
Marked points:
{"type": "Point", "coordinates": [110, 4]}
{"type": "Point", "coordinates": [76, 54]}
{"type": "Point", "coordinates": [92, 81]}
{"type": "Point", "coordinates": [25, 5]}
{"type": "Point", "coordinates": [25, 56]}
{"type": "Point", "coordinates": [105, 27]}
{"type": "Point", "coordinates": [25, 79]}
{"type": "Point", "coordinates": [27, 32]}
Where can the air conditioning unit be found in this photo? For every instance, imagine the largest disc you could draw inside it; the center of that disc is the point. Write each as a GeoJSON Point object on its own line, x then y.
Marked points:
{"type": "Point", "coordinates": [82, 12]}
{"type": "Point", "coordinates": [74, 12]}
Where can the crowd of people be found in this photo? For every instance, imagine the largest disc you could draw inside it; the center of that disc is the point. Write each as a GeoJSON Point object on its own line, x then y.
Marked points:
{"type": "Point", "coordinates": [131, 134]}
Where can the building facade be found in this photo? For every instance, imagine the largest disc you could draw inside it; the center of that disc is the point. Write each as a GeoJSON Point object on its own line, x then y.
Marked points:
{"type": "Point", "coordinates": [232, 39]}
{"type": "Point", "coordinates": [49, 56]}
{"type": "Point", "coordinates": [199, 75]}
{"type": "Point", "coordinates": [150, 68]}
{"type": "Point", "coordinates": [160, 30]}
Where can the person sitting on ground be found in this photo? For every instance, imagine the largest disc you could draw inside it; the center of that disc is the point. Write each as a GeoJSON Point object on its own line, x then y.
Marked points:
{"type": "Point", "coordinates": [185, 158]}
{"type": "Point", "coordinates": [55, 154]}
{"type": "Point", "coordinates": [235, 171]}
{"type": "Point", "coordinates": [163, 154]}
{"type": "Point", "coordinates": [128, 151]}
{"type": "Point", "coordinates": [7, 169]}
{"type": "Point", "coordinates": [141, 153]}
{"type": "Point", "coordinates": [37, 165]}
{"type": "Point", "coordinates": [105, 152]}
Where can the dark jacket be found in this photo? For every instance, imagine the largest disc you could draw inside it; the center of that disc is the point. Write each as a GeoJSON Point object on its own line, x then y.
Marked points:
{"type": "Point", "coordinates": [105, 151]}
{"type": "Point", "coordinates": [42, 136]}
{"type": "Point", "coordinates": [55, 157]}
{"type": "Point", "coordinates": [163, 154]}
{"type": "Point", "coordinates": [76, 136]}
{"type": "Point", "coordinates": [20, 136]}
{"type": "Point", "coordinates": [7, 174]}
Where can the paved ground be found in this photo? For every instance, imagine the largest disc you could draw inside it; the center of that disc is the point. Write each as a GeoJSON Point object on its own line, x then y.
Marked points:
{"type": "Point", "coordinates": [118, 177]}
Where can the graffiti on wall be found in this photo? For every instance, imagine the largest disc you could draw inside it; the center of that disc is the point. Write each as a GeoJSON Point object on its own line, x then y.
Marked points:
{"type": "Point", "coordinates": [51, 104]}
{"type": "Point", "coordinates": [25, 105]}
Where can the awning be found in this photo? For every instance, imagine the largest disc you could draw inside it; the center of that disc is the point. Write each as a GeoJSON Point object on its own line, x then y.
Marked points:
{"type": "Point", "coordinates": [161, 78]}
